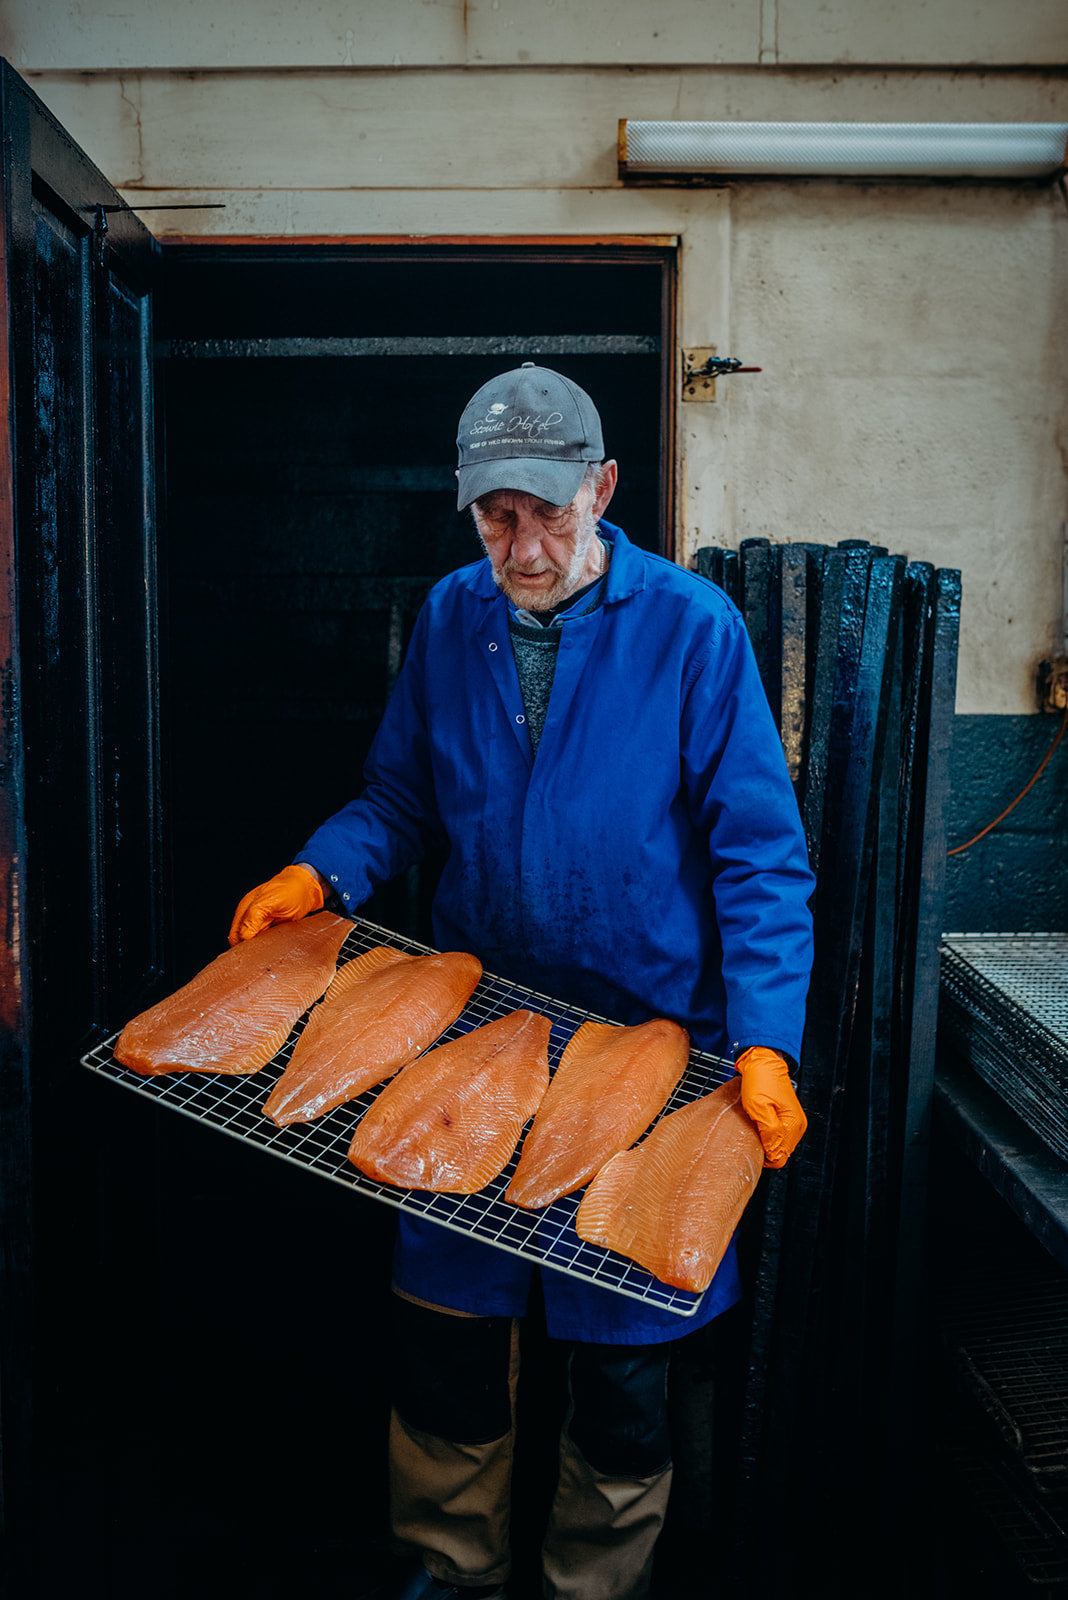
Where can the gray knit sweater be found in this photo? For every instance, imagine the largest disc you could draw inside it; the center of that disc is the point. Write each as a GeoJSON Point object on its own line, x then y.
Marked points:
{"type": "Point", "coordinates": [535, 641]}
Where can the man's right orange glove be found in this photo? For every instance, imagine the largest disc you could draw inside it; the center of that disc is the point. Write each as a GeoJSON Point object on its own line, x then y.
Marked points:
{"type": "Point", "coordinates": [768, 1099]}
{"type": "Point", "coordinates": [288, 896]}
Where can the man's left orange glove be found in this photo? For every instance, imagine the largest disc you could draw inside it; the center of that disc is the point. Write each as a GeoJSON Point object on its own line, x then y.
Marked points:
{"type": "Point", "coordinates": [288, 896]}
{"type": "Point", "coordinates": [768, 1099]}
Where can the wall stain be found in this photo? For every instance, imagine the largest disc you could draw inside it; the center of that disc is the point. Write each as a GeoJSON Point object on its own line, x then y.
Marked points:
{"type": "Point", "coordinates": [138, 180]}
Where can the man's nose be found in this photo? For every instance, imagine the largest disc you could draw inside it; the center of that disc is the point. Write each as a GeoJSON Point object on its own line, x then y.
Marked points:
{"type": "Point", "coordinates": [526, 541]}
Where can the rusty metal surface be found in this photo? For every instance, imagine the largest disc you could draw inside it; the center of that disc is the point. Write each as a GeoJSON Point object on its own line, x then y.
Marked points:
{"type": "Point", "coordinates": [504, 344]}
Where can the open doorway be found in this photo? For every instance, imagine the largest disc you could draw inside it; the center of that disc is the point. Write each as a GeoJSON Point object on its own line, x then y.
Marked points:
{"type": "Point", "coordinates": [218, 1423]}
{"type": "Point", "coordinates": [309, 506]}
{"type": "Point", "coordinates": [311, 398]}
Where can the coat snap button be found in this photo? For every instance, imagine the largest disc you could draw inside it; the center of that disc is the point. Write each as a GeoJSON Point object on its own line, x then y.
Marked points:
{"type": "Point", "coordinates": [520, 719]}
{"type": "Point", "coordinates": [493, 647]}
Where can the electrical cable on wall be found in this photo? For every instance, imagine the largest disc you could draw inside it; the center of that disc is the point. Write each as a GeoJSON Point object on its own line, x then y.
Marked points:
{"type": "Point", "coordinates": [1040, 770]}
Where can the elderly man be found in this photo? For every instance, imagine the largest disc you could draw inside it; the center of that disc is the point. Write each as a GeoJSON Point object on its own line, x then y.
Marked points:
{"type": "Point", "coordinates": [581, 724]}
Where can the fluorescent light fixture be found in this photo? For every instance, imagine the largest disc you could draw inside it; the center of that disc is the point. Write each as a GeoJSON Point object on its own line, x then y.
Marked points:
{"type": "Point", "coordinates": [844, 149]}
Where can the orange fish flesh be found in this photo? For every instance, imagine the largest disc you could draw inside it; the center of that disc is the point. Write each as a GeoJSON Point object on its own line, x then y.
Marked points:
{"type": "Point", "coordinates": [239, 1010]}
{"type": "Point", "coordinates": [381, 1011]}
{"type": "Point", "coordinates": [451, 1120]}
{"type": "Point", "coordinates": [673, 1203]}
{"type": "Point", "coordinates": [610, 1084]}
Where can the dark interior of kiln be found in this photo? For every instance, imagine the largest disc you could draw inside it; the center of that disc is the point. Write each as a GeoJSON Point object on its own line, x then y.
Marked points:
{"type": "Point", "coordinates": [309, 504]}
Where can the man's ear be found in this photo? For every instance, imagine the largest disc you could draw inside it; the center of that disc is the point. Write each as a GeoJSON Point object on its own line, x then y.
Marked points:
{"type": "Point", "coordinates": [606, 487]}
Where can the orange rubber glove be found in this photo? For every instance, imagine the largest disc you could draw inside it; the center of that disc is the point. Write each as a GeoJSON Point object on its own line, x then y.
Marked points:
{"type": "Point", "coordinates": [768, 1099]}
{"type": "Point", "coordinates": [288, 896]}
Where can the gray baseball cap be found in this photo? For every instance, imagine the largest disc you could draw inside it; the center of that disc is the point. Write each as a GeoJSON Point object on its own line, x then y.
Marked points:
{"type": "Point", "coordinates": [530, 429]}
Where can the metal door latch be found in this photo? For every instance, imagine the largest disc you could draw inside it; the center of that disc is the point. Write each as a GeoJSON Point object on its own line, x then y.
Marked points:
{"type": "Point", "coordinates": [700, 369]}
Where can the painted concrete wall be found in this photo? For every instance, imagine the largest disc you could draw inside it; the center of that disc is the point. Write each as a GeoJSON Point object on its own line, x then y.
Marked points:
{"type": "Point", "coordinates": [330, 33]}
{"type": "Point", "coordinates": [912, 338]}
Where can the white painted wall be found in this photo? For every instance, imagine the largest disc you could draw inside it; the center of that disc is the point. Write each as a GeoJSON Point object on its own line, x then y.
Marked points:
{"type": "Point", "coordinates": [912, 338]}
{"type": "Point", "coordinates": [179, 34]}
{"type": "Point", "coordinates": [913, 347]}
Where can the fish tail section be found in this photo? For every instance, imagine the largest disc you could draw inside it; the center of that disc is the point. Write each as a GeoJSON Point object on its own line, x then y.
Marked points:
{"type": "Point", "coordinates": [362, 967]}
{"type": "Point", "coordinates": [672, 1204]}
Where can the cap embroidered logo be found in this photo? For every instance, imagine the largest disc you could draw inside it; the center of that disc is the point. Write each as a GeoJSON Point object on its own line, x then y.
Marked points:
{"type": "Point", "coordinates": [532, 430]}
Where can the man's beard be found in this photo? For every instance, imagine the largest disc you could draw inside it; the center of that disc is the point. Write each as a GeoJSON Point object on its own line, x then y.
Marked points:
{"type": "Point", "coordinates": [567, 578]}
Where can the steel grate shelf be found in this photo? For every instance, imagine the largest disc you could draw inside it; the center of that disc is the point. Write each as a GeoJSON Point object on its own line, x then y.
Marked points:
{"type": "Point", "coordinates": [1033, 1541]}
{"type": "Point", "coordinates": [232, 1105]}
{"type": "Point", "coordinates": [1004, 1005]}
{"type": "Point", "coordinates": [1007, 1334]}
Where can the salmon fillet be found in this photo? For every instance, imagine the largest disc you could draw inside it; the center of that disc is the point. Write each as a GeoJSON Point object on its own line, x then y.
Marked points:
{"type": "Point", "coordinates": [673, 1203]}
{"type": "Point", "coordinates": [240, 1009]}
{"type": "Point", "coordinates": [610, 1084]}
{"type": "Point", "coordinates": [381, 1011]}
{"type": "Point", "coordinates": [451, 1120]}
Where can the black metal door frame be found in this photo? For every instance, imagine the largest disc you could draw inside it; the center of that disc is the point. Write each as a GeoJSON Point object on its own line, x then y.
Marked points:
{"type": "Point", "coordinates": [79, 771]}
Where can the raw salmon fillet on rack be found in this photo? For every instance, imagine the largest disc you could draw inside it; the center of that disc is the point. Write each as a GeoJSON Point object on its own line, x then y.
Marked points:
{"type": "Point", "coordinates": [610, 1084]}
{"type": "Point", "coordinates": [450, 1121]}
{"type": "Point", "coordinates": [381, 1011]}
{"type": "Point", "coordinates": [240, 1009]}
{"type": "Point", "coordinates": [673, 1203]}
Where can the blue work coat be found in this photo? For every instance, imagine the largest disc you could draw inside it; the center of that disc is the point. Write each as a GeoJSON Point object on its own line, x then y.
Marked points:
{"type": "Point", "coordinates": [648, 861]}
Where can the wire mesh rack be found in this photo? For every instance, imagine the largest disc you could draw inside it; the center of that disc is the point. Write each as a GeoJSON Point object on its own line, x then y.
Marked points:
{"type": "Point", "coordinates": [233, 1105]}
{"type": "Point", "coordinates": [1006, 1330]}
{"type": "Point", "coordinates": [1004, 1004]}
{"type": "Point", "coordinates": [1022, 1526]}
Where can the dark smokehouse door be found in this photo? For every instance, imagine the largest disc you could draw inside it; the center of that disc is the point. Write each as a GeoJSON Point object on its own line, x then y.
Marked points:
{"type": "Point", "coordinates": [80, 814]}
